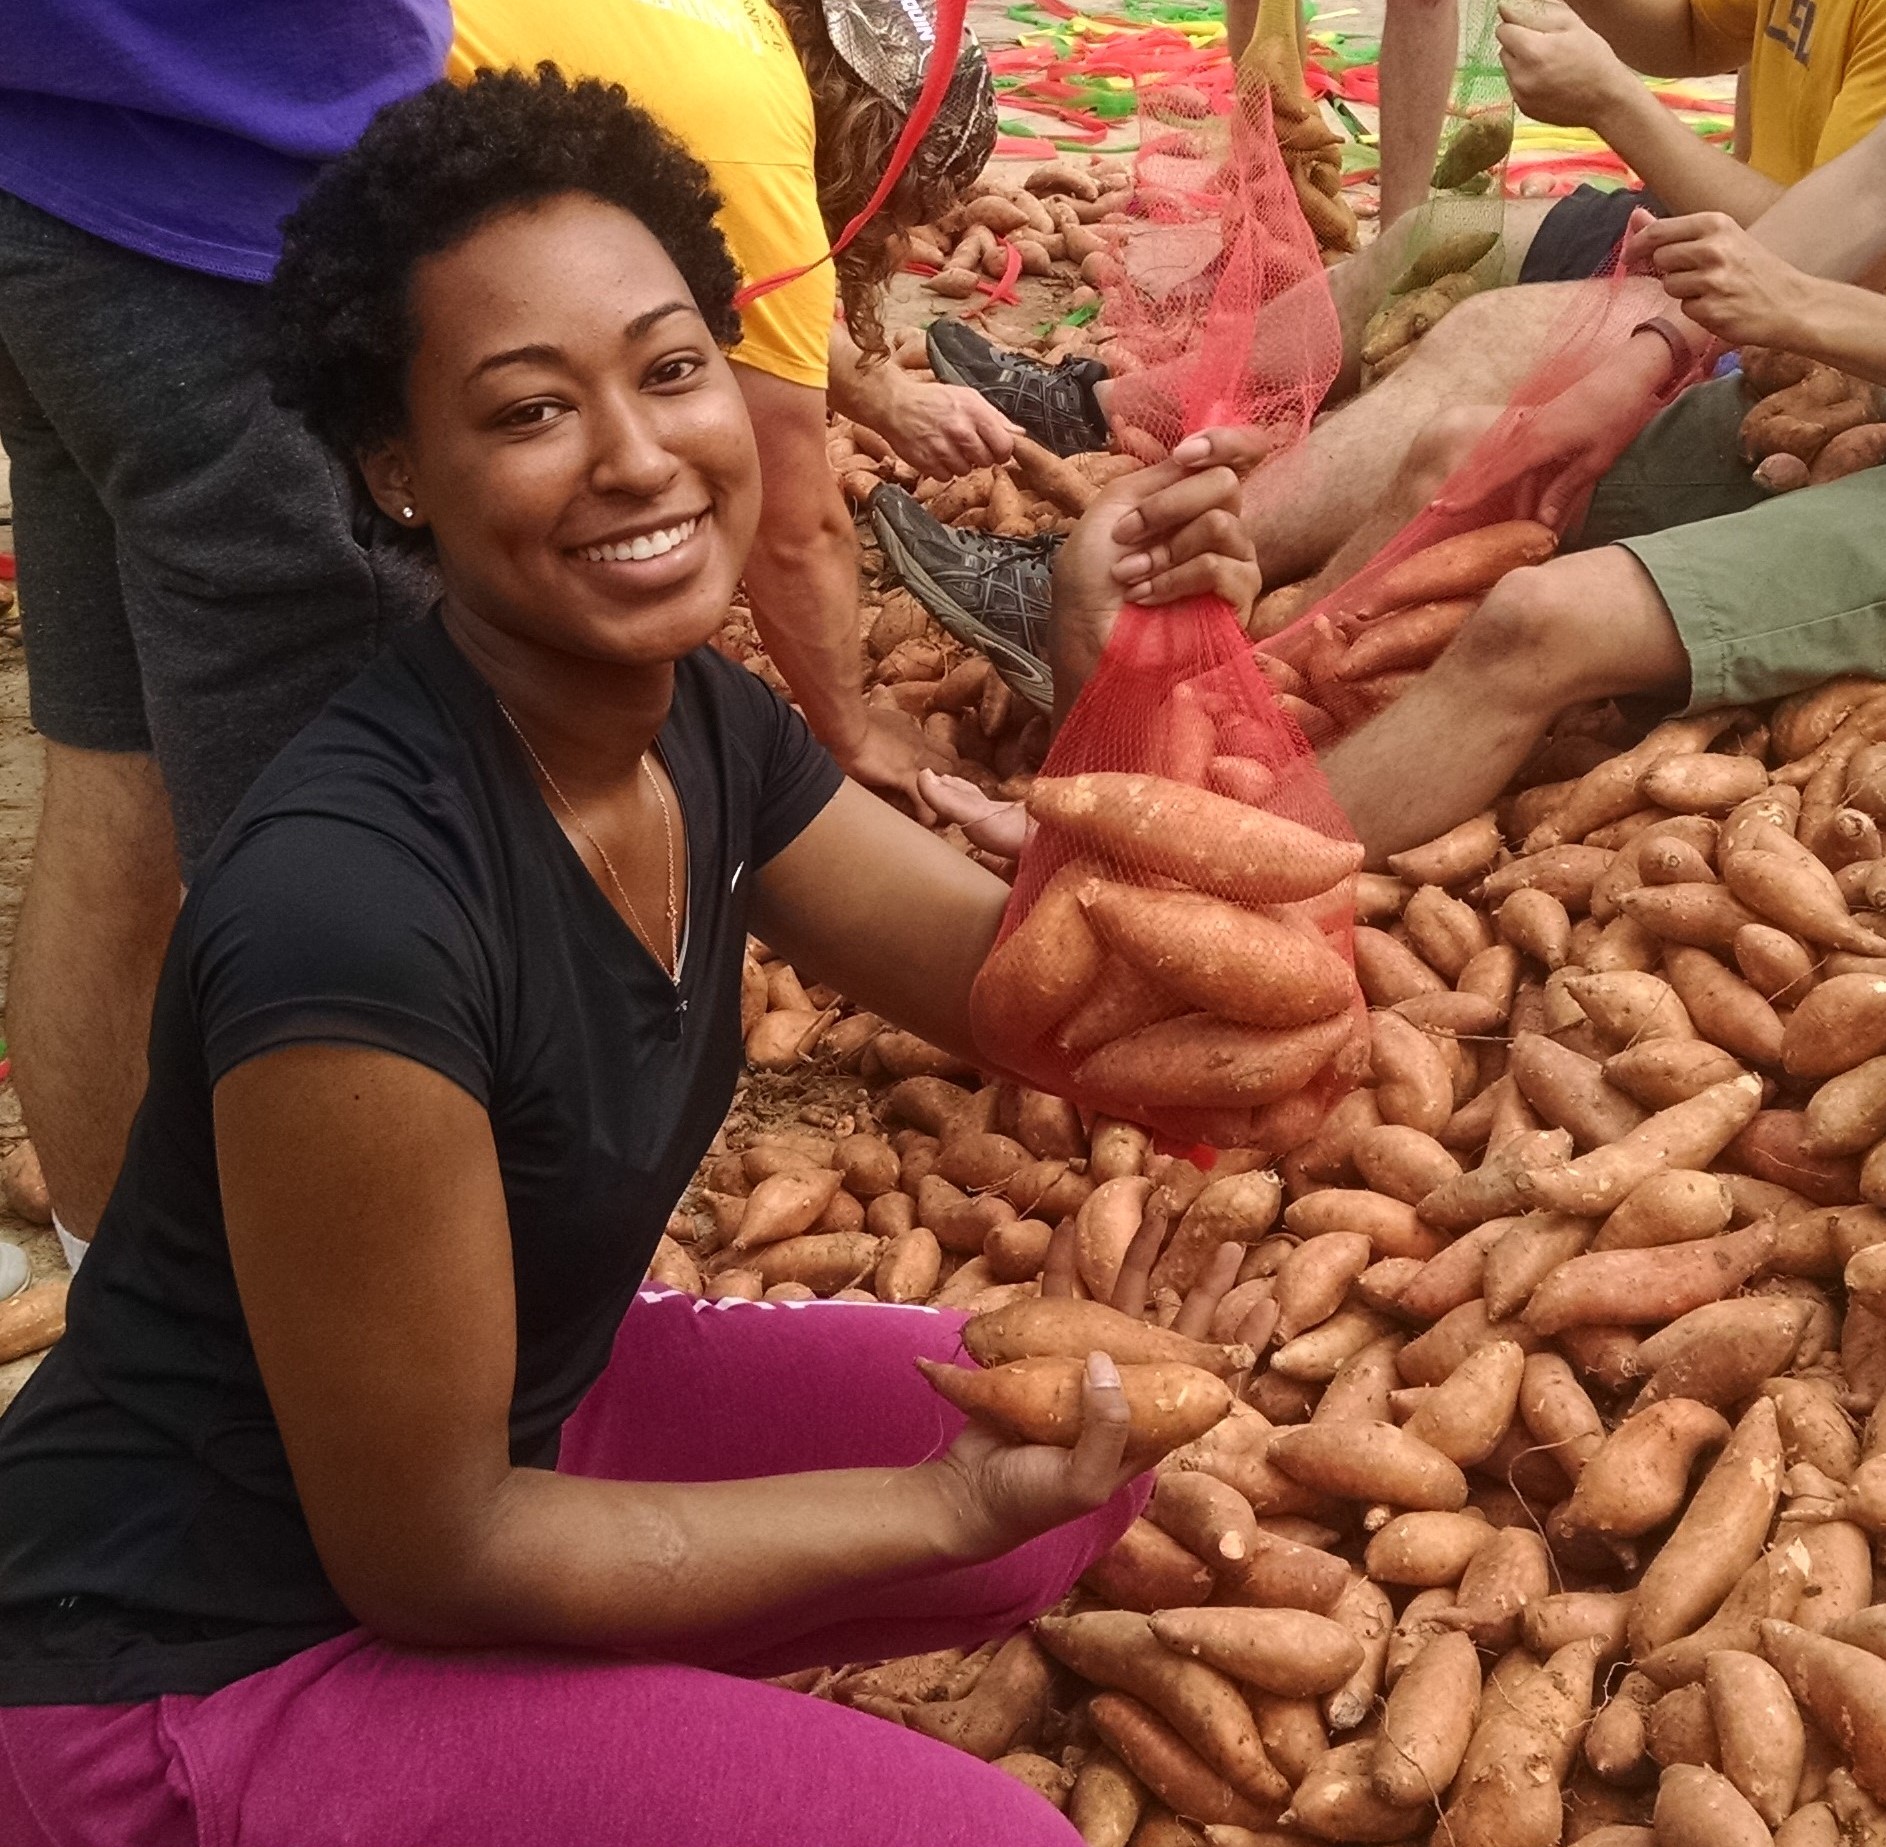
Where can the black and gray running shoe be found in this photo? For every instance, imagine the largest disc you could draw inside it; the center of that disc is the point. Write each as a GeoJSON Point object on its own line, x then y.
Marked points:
{"type": "Point", "coordinates": [1054, 404]}
{"type": "Point", "coordinates": [991, 593]}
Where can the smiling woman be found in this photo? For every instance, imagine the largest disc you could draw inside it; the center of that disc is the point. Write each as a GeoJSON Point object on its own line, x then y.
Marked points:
{"type": "Point", "coordinates": [356, 1373]}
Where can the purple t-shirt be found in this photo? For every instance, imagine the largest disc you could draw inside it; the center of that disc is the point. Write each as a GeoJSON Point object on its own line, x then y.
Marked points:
{"type": "Point", "coordinates": [187, 129]}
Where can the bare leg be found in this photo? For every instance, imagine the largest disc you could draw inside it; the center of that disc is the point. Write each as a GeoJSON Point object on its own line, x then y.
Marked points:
{"type": "Point", "coordinates": [1304, 506]}
{"type": "Point", "coordinates": [1420, 48]}
{"type": "Point", "coordinates": [1589, 625]}
{"type": "Point", "coordinates": [97, 915]}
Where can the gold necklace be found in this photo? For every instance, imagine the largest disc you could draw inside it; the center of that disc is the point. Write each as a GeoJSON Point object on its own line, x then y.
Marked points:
{"type": "Point", "coordinates": [672, 965]}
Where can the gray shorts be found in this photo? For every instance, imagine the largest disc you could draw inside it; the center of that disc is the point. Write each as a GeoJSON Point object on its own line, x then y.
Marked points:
{"type": "Point", "coordinates": [190, 578]}
{"type": "Point", "coordinates": [1770, 593]}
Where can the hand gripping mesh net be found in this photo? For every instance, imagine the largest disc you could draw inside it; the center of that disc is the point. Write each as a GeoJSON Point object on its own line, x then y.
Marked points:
{"type": "Point", "coordinates": [1177, 949]}
{"type": "Point", "coordinates": [1520, 489]}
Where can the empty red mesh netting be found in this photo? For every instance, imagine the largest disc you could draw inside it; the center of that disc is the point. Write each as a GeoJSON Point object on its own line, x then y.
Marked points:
{"type": "Point", "coordinates": [1521, 488]}
{"type": "Point", "coordinates": [1177, 951]}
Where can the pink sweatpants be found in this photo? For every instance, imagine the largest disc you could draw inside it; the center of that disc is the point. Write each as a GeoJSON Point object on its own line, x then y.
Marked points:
{"type": "Point", "coordinates": [357, 1743]}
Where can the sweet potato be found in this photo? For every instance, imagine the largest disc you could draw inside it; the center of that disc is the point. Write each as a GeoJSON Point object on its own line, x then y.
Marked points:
{"type": "Point", "coordinates": [909, 1265]}
{"type": "Point", "coordinates": [1285, 1574]}
{"type": "Point", "coordinates": [1774, 1146]}
{"type": "Point", "coordinates": [1468, 565]}
{"type": "Point", "coordinates": [1800, 897]}
{"type": "Point", "coordinates": [1370, 1462]}
{"type": "Point", "coordinates": [1146, 1570]}
{"type": "Point", "coordinates": [1724, 1008]}
{"type": "Point", "coordinates": [1512, 1570]}
{"type": "Point", "coordinates": [1633, 1288]}
{"type": "Point", "coordinates": [1570, 1091]}
{"type": "Point", "coordinates": [1841, 1688]}
{"type": "Point", "coordinates": [1072, 1329]}
{"type": "Point", "coordinates": [1462, 853]}
{"type": "Point", "coordinates": [824, 1261]}
{"type": "Point", "coordinates": [1292, 1652]}
{"type": "Point", "coordinates": [1199, 1062]}
{"type": "Point", "coordinates": [1686, 1135]}
{"type": "Point", "coordinates": [1673, 1207]}
{"type": "Point", "coordinates": [1719, 1353]}
{"type": "Point", "coordinates": [1314, 1279]}
{"type": "Point", "coordinates": [1661, 1072]}
{"type": "Point", "coordinates": [1629, 1006]}
{"type": "Point", "coordinates": [32, 1320]}
{"type": "Point", "coordinates": [1465, 1417]}
{"type": "Point", "coordinates": [1639, 1477]}
{"type": "Point", "coordinates": [1117, 1649]}
{"type": "Point", "coordinates": [1336, 1801]}
{"type": "Point", "coordinates": [1403, 1163]}
{"type": "Point", "coordinates": [1105, 1227]}
{"type": "Point", "coordinates": [1039, 1401]}
{"type": "Point", "coordinates": [1205, 1515]}
{"type": "Point", "coordinates": [1536, 924]}
{"type": "Point", "coordinates": [1427, 1723]}
{"type": "Point", "coordinates": [1120, 1002]}
{"type": "Point", "coordinates": [1167, 1765]}
{"type": "Point", "coordinates": [1204, 841]}
{"type": "Point", "coordinates": [1365, 1611]}
{"type": "Point", "coordinates": [1426, 1550]}
{"type": "Point", "coordinates": [1007, 1699]}
{"type": "Point", "coordinates": [1033, 979]}
{"type": "Point", "coordinates": [1220, 958]}
{"type": "Point", "coordinates": [1847, 1114]}
{"type": "Point", "coordinates": [1393, 1228]}
{"type": "Point", "coordinates": [1106, 1801]}
{"type": "Point", "coordinates": [1719, 1536]}
{"type": "Point", "coordinates": [1240, 1207]}
{"type": "Point", "coordinates": [1700, 1807]}
{"type": "Point", "coordinates": [1840, 1024]}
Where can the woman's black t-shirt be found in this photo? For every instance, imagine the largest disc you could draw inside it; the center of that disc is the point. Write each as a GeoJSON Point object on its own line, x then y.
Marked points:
{"type": "Point", "coordinates": [393, 880]}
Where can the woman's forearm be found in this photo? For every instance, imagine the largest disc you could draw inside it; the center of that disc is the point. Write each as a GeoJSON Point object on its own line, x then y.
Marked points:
{"type": "Point", "coordinates": [568, 1561]}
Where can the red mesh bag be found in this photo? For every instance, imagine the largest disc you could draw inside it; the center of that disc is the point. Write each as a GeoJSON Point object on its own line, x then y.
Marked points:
{"type": "Point", "coordinates": [1177, 951]}
{"type": "Point", "coordinates": [1510, 502]}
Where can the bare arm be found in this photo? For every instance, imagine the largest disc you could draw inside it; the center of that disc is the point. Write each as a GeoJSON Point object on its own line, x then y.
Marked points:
{"type": "Point", "coordinates": [1832, 222]}
{"type": "Point", "coordinates": [802, 575]}
{"type": "Point", "coordinates": [1420, 44]}
{"type": "Point", "coordinates": [885, 912]}
{"type": "Point", "coordinates": [1665, 38]}
{"type": "Point", "coordinates": [940, 430]}
{"type": "Point", "coordinates": [373, 1257]}
{"type": "Point", "coordinates": [1563, 71]}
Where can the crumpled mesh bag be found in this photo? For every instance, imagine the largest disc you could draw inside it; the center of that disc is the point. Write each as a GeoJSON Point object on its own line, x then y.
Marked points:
{"type": "Point", "coordinates": [1358, 648]}
{"type": "Point", "coordinates": [1454, 246]}
{"type": "Point", "coordinates": [1177, 951]}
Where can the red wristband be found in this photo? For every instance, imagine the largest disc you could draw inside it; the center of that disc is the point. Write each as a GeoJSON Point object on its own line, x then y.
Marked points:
{"type": "Point", "coordinates": [1682, 356]}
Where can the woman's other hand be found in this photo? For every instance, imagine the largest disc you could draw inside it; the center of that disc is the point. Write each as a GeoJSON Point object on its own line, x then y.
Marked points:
{"type": "Point", "coordinates": [996, 827]}
{"type": "Point", "coordinates": [1157, 536]}
{"type": "Point", "coordinates": [1000, 1494]}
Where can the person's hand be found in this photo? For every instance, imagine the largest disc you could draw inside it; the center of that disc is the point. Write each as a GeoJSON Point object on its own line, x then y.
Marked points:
{"type": "Point", "coordinates": [1560, 70]}
{"type": "Point", "coordinates": [999, 1494]}
{"type": "Point", "coordinates": [944, 430]}
{"type": "Point", "coordinates": [1157, 536]}
{"type": "Point", "coordinates": [1728, 283]}
{"type": "Point", "coordinates": [996, 827]}
{"type": "Point", "coordinates": [891, 753]}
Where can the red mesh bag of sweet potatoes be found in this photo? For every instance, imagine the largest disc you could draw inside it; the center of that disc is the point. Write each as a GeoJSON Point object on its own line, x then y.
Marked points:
{"type": "Point", "coordinates": [1177, 951]}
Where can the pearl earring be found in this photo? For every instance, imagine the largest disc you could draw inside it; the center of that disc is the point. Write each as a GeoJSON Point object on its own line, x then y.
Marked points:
{"type": "Point", "coordinates": [405, 512]}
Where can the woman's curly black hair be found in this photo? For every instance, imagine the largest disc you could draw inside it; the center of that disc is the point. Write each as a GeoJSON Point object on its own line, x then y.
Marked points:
{"type": "Point", "coordinates": [427, 172]}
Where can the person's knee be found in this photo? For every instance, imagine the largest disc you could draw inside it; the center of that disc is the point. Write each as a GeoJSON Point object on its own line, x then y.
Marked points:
{"type": "Point", "coordinates": [1523, 637]}
{"type": "Point", "coordinates": [1445, 442]}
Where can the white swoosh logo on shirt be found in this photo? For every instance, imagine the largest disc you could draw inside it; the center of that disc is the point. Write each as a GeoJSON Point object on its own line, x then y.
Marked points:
{"type": "Point", "coordinates": [733, 883]}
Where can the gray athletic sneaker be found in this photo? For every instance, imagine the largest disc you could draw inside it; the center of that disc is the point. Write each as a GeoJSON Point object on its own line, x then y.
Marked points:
{"type": "Point", "coordinates": [1054, 404]}
{"type": "Point", "coordinates": [990, 592]}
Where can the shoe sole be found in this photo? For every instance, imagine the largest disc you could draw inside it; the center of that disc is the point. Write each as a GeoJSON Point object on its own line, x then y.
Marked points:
{"type": "Point", "coordinates": [1024, 674]}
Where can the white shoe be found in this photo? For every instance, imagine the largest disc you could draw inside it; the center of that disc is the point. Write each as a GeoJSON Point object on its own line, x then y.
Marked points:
{"type": "Point", "coordinates": [15, 1271]}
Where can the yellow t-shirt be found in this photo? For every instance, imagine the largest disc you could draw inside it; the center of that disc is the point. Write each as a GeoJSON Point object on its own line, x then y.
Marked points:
{"type": "Point", "coordinates": [722, 76]}
{"type": "Point", "coordinates": [1816, 79]}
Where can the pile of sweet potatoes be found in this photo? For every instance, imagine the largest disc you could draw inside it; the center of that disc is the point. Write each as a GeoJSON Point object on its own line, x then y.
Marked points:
{"type": "Point", "coordinates": [1546, 1509]}
{"type": "Point", "coordinates": [1810, 423]}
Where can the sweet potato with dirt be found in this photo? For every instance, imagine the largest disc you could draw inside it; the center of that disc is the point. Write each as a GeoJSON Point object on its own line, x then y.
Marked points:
{"type": "Point", "coordinates": [1426, 1550]}
{"type": "Point", "coordinates": [1841, 1688]}
{"type": "Point", "coordinates": [1206, 842]}
{"type": "Point", "coordinates": [1292, 1652]}
{"type": "Point", "coordinates": [1635, 1288]}
{"type": "Point", "coordinates": [1205, 1515]}
{"type": "Point", "coordinates": [1640, 1476]}
{"type": "Point", "coordinates": [1758, 1731]}
{"type": "Point", "coordinates": [1686, 1135]}
{"type": "Point", "coordinates": [1167, 1765]}
{"type": "Point", "coordinates": [1370, 1462]}
{"type": "Point", "coordinates": [1465, 566]}
{"type": "Point", "coordinates": [1466, 1415]}
{"type": "Point", "coordinates": [1039, 1401]}
{"type": "Point", "coordinates": [1198, 1062]}
{"type": "Point", "coordinates": [1033, 980]}
{"type": "Point", "coordinates": [1700, 1807]}
{"type": "Point", "coordinates": [1427, 1722]}
{"type": "Point", "coordinates": [1146, 1569]}
{"type": "Point", "coordinates": [1719, 1536]}
{"type": "Point", "coordinates": [1220, 958]}
{"type": "Point", "coordinates": [1118, 1649]}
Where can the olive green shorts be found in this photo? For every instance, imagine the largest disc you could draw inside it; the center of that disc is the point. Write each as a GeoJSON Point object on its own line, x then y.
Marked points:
{"type": "Point", "coordinates": [1769, 593]}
